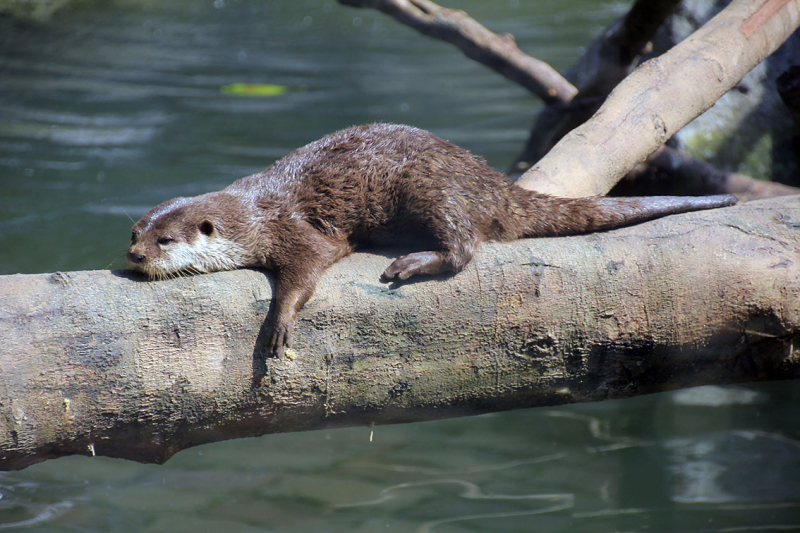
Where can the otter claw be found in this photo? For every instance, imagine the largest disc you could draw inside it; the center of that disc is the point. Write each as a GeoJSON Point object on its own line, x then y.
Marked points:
{"type": "Point", "coordinates": [281, 337]}
{"type": "Point", "coordinates": [414, 264]}
{"type": "Point", "coordinates": [394, 271]}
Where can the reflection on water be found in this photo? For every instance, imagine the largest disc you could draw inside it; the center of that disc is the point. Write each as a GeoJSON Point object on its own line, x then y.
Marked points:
{"type": "Point", "coordinates": [646, 464]}
{"type": "Point", "coordinates": [114, 107]}
{"type": "Point", "coordinates": [484, 508]}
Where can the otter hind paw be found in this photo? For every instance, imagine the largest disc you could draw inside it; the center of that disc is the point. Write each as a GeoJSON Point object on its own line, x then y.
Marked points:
{"type": "Point", "coordinates": [414, 264]}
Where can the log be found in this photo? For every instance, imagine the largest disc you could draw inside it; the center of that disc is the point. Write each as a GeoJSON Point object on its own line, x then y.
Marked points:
{"type": "Point", "coordinates": [105, 363]}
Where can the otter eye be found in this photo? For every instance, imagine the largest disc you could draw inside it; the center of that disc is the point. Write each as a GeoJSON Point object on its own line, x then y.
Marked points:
{"type": "Point", "coordinates": [133, 236]}
{"type": "Point", "coordinates": [165, 240]}
{"type": "Point", "coordinates": [207, 228]}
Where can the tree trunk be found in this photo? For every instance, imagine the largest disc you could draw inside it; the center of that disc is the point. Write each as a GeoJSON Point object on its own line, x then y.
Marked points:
{"type": "Point", "coordinates": [105, 363]}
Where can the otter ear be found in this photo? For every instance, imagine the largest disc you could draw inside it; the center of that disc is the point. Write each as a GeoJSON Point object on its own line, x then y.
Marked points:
{"type": "Point", "coordinates": [207, 228]}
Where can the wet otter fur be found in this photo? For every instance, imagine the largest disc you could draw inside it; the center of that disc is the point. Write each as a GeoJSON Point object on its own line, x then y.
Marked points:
{"type": "Point", "coordinates": [361, 185]}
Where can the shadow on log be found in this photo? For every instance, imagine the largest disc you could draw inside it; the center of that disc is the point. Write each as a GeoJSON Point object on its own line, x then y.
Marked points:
{"type": "Point", "coordinates": [102, 363]}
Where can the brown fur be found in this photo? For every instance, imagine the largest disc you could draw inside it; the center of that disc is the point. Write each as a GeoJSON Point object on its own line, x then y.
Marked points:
{"type": "Point", "coordinates": [361, 185]}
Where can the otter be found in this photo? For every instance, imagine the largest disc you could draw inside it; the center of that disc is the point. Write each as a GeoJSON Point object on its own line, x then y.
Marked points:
{"type": "Point", "coordinates": [361, 185]}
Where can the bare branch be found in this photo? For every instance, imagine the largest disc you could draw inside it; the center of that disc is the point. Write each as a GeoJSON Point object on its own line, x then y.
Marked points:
{"type": "Point", "coordinates": [609, 60]}
{"type": "Point", "coordinates": [680, 84]}
{"type": "Point", "coordinates": [498, 52]}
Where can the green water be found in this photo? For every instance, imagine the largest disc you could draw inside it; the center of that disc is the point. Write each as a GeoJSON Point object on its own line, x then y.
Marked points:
{"type": "Point", "coordinates": [113, 107]}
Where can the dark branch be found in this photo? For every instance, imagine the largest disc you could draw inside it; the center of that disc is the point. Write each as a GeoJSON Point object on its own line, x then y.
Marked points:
{"type": "Point", "coordinates": [788, 85]}
{"type": "Point", "coordinates": [669, 171]}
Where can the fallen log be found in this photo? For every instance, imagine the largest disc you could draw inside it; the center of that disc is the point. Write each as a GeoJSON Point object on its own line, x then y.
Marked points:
{"type": "Point", "coordinates": [105, 363]}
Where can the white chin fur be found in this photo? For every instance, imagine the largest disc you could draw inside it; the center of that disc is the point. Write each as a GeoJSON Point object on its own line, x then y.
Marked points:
{"type": "Point", "coordinates": [206, 254]}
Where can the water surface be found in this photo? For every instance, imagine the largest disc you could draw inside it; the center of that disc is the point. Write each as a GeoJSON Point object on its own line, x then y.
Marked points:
{"type": "Point", "coordinates": [113, 107]}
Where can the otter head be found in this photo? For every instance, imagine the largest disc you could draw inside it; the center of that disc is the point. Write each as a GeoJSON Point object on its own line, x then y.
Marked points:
{"type": "Point", "coordinates": [184, 235]}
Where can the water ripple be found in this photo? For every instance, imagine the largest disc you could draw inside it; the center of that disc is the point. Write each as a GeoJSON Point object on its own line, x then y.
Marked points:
{"type": "Point", "coordinates": [471, 491]}
{"type": "Point", "coordinates": [48, 513]}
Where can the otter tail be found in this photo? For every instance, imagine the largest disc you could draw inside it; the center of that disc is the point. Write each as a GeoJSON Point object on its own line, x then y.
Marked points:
{"type": "Point", "coordinates": [573, 216]}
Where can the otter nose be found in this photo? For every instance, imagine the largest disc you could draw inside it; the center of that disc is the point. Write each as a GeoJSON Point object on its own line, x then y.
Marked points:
{"type": "Point", "coordinates": [135, 258]}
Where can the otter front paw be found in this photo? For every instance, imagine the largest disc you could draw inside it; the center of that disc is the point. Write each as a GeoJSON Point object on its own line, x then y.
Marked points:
{"type": "Point", "coordinates": [280, 338]}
